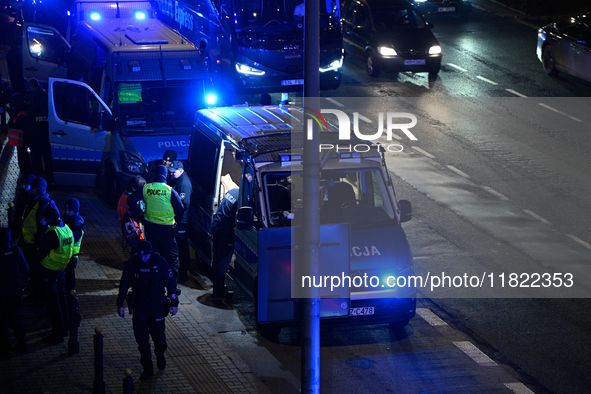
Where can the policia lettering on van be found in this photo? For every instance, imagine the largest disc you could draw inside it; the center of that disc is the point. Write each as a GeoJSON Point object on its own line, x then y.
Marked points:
{"type": "Point", "coordinates": [360, 217]}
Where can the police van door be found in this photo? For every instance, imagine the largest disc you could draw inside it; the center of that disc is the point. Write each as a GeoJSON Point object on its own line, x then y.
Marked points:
{"type": "Point", "coordinates": [75, 132]}
{"type": "Point", "coordinates": [44, 52]}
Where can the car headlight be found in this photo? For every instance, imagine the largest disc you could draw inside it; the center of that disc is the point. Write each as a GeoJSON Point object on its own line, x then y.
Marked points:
{"type": "Point", "coordinates": [248, 70]}
{"type": "Point", "coordinates": [386, 51]}
{"type": "Point", "coordinates": [335, 65]}
{"type": "Point", "coordinates": [435, 50]}
{"type": "Point", "coordinates": [131, 163]}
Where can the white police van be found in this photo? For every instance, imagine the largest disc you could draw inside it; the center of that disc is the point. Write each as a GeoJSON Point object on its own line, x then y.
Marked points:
{"type": "Point", "coordinates": [132, 88]}
{"type": "Point", "coordinates": [358, 211]}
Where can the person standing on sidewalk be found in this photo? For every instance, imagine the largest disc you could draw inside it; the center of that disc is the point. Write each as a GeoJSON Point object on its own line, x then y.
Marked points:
{"type": "Point", "coordinates": [183, 186]}
{"type": "Point", "coordinates": [5, 95]}
{"type": "Point", "coordinates": [148, 275]}
{"type": "Point", "coordinates": [75, 222]}
{"type": "Point", "coordinates": [131, 229]}
{"type": "Point", "coordinates": [37, 129]}
{"type": "Point", "coordinates": [55, 252]}
{"type": "Point", "coordinates": [16, 135]}
{"type": "Point", "coordinates": [162, 205]}
{"type": "Point", "coordinates": [167, 159]}
{"type": "Point", "coordinates": [13, 270]}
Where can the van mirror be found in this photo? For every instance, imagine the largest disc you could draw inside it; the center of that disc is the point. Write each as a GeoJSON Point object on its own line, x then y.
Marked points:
{"type": "Point", "coordinates": [105, 120]}
{"type": "Point", "coordinates": [405, 210]}
{"type": "Point", "coordinates": [245, 218]}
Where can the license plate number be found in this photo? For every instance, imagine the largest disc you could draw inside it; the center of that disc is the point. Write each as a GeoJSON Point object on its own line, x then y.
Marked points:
{"type": "Point", "coordinates": [368, 310]}
{"type": "Point", "coordinates": [290, 82]}
{"type": "Point", "coordinates": [415, 62]}
{"type": "Point", "coordinates": [446, 9]}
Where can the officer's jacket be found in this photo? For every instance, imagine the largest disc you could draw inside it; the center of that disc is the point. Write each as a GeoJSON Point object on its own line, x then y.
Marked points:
{"type": "Point", "coordinates": [57, 246]}
{"type": "Point", "coordinates": [184, 188]}
{"type": "Point", "coordinates": [13, 268]}
{"type": "Point", "coordinates": [148, 281]}
{"type": "Point", "coordinates": [32, 229]}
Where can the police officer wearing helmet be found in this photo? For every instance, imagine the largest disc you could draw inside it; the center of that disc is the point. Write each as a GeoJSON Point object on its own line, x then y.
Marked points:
{"type": "Point", "coordinates": [162, 204]}
{"type": "Point", "coordinates": [181, 182]}
{"type": "Point", "coordinates": [148, 274]}
{"type": "Point", "coordinates": [55, 252]}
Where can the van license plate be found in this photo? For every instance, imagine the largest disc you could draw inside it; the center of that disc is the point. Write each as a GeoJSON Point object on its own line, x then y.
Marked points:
{"type": "Point", "coordinates": [446, 9]}
{"type": "Point", "coordinates": [415, 62]}
{"type": "Point", "coordinates": [368, 310]}
{"type": "Point", "coordinates": [291, 82]}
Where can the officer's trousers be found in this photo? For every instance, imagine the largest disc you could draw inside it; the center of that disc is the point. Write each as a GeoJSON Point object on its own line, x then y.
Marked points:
{"type": "Point", "coordinates": [148, 320]}
{"type": "Point", "coordinates": [56, 301]}
{"type": "Point", "coordinates": [10, 303]}
{"type": "Point", "coordinates": [163, 241]}
{"type": "Point", "coordinates": [182, 241]}
{"type": "Point", "coordinates": [223, 249]}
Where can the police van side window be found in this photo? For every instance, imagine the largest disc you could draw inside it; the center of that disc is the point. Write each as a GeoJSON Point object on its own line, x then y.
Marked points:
{"type": "Point", "coordinates": [45, 44]}
{"type": "Point", "coordinates": [75, 103]}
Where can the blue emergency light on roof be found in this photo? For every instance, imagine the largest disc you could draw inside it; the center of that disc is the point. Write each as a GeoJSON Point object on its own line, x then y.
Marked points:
{"type": "Point", "coordinates": [140, 15]}
{"type": "Point", "coordinates": [95, 16]}
{"type": "Point", "coordinates": [211, 99]}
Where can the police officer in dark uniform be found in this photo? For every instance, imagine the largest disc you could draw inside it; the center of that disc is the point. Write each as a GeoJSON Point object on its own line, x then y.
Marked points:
{"type": "Point", "coordinates": [75, 222]}
{"type": "Point", "coordinates": [13, 269]}
{"type": "Point", "coordinates": [181, 182]}
{"type": "Point", "coordinates": [167, 159]}
{"type": "Point", "coordinates": [222, 230]}
{"type": "Point", "coordinates": [5, 95]}
{"type": "Point", "coordinates": [148, 274]}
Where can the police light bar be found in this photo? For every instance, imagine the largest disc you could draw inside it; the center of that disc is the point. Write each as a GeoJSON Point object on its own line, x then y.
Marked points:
{"type": "Point", "coordinates": [95, 16]}
{"type": "Point", "coordinates": [289, 159]}
{"type": "Point", "coordinates": [211, 99]}
{"type": "Point", "coordinates": [140, 15]}
{"type": "Point", "coordinates": [349, 157]}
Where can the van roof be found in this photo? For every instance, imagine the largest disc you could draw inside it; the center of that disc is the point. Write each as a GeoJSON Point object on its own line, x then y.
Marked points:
{"type": "Point", "coordinates": [268, 131]}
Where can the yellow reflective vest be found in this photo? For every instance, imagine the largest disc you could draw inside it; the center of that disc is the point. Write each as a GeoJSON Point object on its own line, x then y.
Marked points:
{"type": "Point", "coordinates": [157, 197]}
{"type": "Point", "coordinates": [58, 259]}
{"type": "Point", "coordinates": [30, 225]}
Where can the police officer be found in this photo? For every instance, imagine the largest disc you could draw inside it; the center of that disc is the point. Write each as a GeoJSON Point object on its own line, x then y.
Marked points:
{"type": "Point", "coordinates": [75, 222]}
{"type": "Point", "coordinates": [222, 230]}
{"type": "Point", "coordinates": [162, 204]}
{"type": "Point", "coordinates": [13, 269]}
{"type": "Point", "coordinates": [55, 252]}
{"type": "Point", "coordinates": [167, 159]}
{"type": "Point", "coordinates": [148, 274]}
{"type": "Point", "coordinates": [37, 128]}
{"type": "Point", "coordinates": [183, 186]}
{"type": "Point", "coordinates": [5, 95]}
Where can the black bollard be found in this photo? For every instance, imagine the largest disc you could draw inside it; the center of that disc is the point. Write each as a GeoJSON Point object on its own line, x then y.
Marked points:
{"type": "Point", "coordinates": [98, 386]}
{"type": "Point", "coordinates": [128, 382]}
{"type": "Point", "coordinates": [73, 344]}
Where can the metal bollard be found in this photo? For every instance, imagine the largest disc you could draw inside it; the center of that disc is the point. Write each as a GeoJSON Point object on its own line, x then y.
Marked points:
{"type": "Point", "coordinates": [73, 344]}
{"type": "Point", "coordinates": [128, 382]}
{"type": "Point", "coordinates": [98, 386]}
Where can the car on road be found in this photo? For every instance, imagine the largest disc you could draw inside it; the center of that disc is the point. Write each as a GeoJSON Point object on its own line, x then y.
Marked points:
{"type": "Point", "coordinates": [444, 8]}
{"type": "Point", "coordinates": [390, 35]}
{"type": "Point", "coordinates": [566, 46]}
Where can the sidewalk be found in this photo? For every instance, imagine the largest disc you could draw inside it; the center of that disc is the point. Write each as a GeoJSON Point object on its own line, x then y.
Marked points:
{"type": "Point", "coordinates": [198, 359]}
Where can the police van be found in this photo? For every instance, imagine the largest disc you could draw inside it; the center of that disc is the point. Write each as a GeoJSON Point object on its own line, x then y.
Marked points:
{"type": "Point", "coordinates": [358, 212]}
{"type": "Point", "coordinates": [132, 88]}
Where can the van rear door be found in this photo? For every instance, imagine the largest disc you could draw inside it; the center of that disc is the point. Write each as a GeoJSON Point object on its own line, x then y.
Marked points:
{"type": "Point", "coordinates": [76, 137]}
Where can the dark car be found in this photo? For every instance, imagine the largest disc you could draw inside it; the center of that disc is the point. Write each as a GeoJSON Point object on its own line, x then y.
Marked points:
{"type": "Point", "coordinates": [444, 8]}
{"type": "Point", "coordinates": [566, 46]}
{"type": "Point", "coordinates": [389, 35]}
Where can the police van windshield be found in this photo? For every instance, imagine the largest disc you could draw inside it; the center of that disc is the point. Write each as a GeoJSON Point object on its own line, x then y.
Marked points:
{"type": "Point", "coordinates": [144, 105]}
{"type": "Point", "coordinates": [357, 196]}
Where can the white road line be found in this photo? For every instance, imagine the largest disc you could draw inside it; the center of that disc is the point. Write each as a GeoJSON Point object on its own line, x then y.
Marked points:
{"type": "Point", "coordinates": [399, 138]}
{"type": "Point", "coordinates": [474, 353]}
{"type": "Point", "coordinates": [335, 102]}
{"type": "Point", "coordinates": [457, 67]}
{"type": "Point", "coordinates": [496, 193]}
{"type": "Point", "coordinates": [560, 112]}
{"type": "Point", "coordinates": [430, 317]}
{"type": "Point", "coordinates": [579, 240]}
{"type": "Point", "coordinates": [515, 93]}
{"type": "Point", "coordinates": [518, 388]}
{"type": "Point", "coordinates": [429, 155]}
{"type": "Point", "coordinates": [486, 80]}
{"type": "Point", "coordinates": [536, 216]}
{"type": "Point", "coordinates": [460, 173]}
{"type": "Point", "coordinates": [363, 118]}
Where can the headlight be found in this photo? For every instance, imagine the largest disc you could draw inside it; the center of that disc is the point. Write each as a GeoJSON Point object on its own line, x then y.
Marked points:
{"type": "Point", "coordinates": [244, 69]}
{"type": "Point", "coordinates": [385, 51]}
{"type": "Point", "coordinates": [335, 65]}
{"type": "Point", "coordinates": [435, 50]}
{"type": "Point", "coordinates": [131, 163]}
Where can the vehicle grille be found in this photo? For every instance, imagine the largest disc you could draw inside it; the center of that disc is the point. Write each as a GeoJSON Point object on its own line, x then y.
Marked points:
{"type": "Point", "coordinates": [413, 52]}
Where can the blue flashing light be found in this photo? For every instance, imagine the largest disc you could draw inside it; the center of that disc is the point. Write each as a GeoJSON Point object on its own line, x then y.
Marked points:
{"type": "Point", "coordinates": [211, 99]}
{"type": "Point", "coordinates": [95, 16]}
{"type": "Point", "coordinates": [68, 13]}
{"type": "Point", "coordinates": [140, 15]}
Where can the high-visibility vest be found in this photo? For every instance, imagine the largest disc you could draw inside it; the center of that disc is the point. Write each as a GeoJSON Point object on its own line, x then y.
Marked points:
{"type": "Point", "coordinates": [157, 197]}
{"type": "Point", "coordinates": [58, 259]}
{"type": "Point", "coordinates": [15, 135]}
{"type": "Point", "coordinates": [30, 224]}
{"type": "Point", "coordinates": [78, 243]}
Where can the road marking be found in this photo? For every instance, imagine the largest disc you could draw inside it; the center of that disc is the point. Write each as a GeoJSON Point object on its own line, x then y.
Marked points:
{"type": "Point", "coordinates": [457, 67]}
{"type": "Point", "coordinates": [335, 102]}
{"type": "Point", "coordinates": [363, 118]}
{"type": "Point", "coordinates": [430, 317]}
{"type": "Point", "coordinates": [486, 80]}
{"type": "Point", "coordinates": [496, 193]}
{"type": "Point", "coordinates": [579, 240]}
{"type": "Point", "coordinates": [560, 112]}
{"type": "Point", "coordinates": [429, 155]}
{"type": "Point", "coordinates": [474, 353]}
{"type": "Point", "coordinates": [518, 388]}
{"type": "Point", "coordinates": [515, 93]}
{"type": "Point", "coordinates": [536, 216]}
{"type": "Point", "coordinates": [460, 173]}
